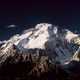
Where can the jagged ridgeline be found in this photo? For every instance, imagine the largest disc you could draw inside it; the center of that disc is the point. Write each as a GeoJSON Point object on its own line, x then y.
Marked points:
{"type": "Point", "coordinates": [39, 53]}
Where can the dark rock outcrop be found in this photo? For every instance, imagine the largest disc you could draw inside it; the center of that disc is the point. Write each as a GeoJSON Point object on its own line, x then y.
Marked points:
{"type": "Point", "coordinates": [36, 65]}
{"type": "Point", "coordinates": [27, 66]}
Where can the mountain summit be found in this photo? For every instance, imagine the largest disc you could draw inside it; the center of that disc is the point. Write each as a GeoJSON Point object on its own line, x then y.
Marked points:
{"type": "Point", "coordinates": [58, 43]}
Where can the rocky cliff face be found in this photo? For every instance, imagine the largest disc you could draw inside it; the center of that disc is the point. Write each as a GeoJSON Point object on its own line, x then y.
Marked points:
{"type": "Point", "coordinates": [39, 53]}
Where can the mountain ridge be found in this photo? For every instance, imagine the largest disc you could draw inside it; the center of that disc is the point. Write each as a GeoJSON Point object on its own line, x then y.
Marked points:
{"type": "Point", "coordinates": [44, 52]}
{"type": "Point", "coordinates": [44, 36]}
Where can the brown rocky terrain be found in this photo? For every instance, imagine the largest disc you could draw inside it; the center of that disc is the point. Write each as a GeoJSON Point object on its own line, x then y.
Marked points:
{"type": "Point", "coordinates": [35, 64]}
{"type": "Point", "coordinates": [27, 66]}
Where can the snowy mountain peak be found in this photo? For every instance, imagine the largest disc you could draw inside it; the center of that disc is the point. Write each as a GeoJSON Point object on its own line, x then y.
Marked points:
{"type": "Point", "coordinates": [43, 26]}
{"type": "Point", "coordinates": [37, 37]}
{"type": "Point", "coordinates": [44, 36]}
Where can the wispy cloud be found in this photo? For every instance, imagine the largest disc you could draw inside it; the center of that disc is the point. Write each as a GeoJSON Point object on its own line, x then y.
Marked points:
{"type": "Point", "coordinates": [11, 26]}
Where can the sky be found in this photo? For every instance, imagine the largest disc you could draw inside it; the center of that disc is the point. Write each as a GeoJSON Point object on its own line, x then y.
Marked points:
{"type": "Point", "coordinates": [29, 13]}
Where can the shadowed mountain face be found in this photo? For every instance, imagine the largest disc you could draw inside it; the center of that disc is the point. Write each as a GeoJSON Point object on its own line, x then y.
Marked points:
{"type": "Point", "coordinates": [35, 65]}
{"type": "Point", "coordinates": [30, 66]}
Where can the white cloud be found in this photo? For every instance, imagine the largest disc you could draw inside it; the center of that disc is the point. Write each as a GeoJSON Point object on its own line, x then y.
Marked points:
{"type": "Point", "coordinates": [12, 26]}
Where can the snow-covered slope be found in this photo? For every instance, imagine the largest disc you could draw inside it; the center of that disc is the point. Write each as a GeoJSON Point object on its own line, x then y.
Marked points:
{"type": "Point", "coordinates": [57, 43]}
